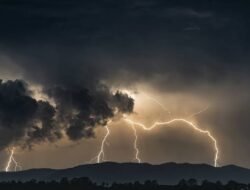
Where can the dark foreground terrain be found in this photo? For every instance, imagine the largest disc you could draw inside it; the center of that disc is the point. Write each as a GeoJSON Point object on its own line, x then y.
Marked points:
{"type": "Point", "coordinates": [109, 172]}
{"type": "Point", "coordinates": [86, 184]}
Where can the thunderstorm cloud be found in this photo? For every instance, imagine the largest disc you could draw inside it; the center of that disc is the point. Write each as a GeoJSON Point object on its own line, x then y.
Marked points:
{"type": "Point", "coordinates": [79, 51]}
{"type": "Point", "coordinates": [25, 120]}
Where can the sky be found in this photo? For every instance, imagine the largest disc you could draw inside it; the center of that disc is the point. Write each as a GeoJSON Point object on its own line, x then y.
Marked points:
{"type": "Point", "coordinates": [70, 68]}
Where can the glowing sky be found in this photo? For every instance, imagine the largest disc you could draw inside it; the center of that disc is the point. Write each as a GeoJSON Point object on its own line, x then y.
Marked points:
{"type": "Point", "coordinates": [189, 57]}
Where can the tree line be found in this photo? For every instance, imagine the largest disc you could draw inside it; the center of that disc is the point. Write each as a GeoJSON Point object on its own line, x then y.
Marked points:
{"type": "Point", "coordinates": [85, 183]}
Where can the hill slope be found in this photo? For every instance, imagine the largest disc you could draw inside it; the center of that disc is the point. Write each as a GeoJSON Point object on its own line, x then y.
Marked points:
{"type": "Point", "coordinates": [169, 173]}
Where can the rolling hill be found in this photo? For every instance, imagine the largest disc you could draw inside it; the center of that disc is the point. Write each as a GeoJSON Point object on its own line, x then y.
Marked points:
{"type": "Point", "coordinates": [168, 173]}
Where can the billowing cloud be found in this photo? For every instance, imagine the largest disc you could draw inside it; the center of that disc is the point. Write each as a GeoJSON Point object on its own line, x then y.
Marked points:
{"type": "Point", "coordinates": [82, 109]}
{"type": "Point", "coordinates": [17, 110]}
{"type": "Point", "coordinates": [25, 120]}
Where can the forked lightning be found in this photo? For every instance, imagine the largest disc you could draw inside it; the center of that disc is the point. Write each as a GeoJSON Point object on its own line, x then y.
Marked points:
{"type": "Point", "coordinates": [132, 123]}
{"type": "Point", "coordinates": [12, 160]}
{"type": "Point", "coordinates": [168, 123]}
{"type": "Point", "coordinates": [101, 154]}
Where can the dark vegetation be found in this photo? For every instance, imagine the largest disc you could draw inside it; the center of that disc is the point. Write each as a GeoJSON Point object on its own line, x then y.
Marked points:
{"type": "Point", "coordinates": [85, 183]}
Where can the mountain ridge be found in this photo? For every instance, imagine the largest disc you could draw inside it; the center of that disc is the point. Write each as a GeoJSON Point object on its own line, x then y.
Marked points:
{"type": "Point", "coordinates": [109, 172]}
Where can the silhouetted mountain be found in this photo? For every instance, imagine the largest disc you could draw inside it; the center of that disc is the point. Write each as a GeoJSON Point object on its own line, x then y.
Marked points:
{"type": "Point", "coordinates": [168, 173]}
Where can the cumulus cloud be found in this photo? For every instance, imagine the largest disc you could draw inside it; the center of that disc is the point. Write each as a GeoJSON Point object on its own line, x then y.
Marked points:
{"type": "Point", "coordinates": [19, 112]}
{"type": "Point", "coordinates": [26, 121]}
{"type": "Point", "coordinates": [82, 109]}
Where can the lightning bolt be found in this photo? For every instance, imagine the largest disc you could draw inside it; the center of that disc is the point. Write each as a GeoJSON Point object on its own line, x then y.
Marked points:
{"type": "Point", "coordinates": [158, 103]}
{"type": "Point", "coordinates": [12, 160]}
{"type": "Point", "coordinates": [167, 110]}
{"type": "Point", "coordinates": [101, 154]}
{"type": "Point", "coordinates": [199, 112]}
{"type": "Point", "coordinates": [168, 123]}
{"type": "Point", "coordinates": [135, 144]}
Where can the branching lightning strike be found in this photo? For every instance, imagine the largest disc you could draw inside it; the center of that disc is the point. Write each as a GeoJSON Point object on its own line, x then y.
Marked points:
{"type": "Point", "coordinates": [101, 154]}
{"type": "Point", "coordinates": [190, 124]}
{"type": "Point", "coordinates": [12, 160]}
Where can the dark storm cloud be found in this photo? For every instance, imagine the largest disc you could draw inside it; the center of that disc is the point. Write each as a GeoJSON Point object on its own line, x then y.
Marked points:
{"type": "Point", "coordinates": [190, 47]}
{"type": "Point", "coordinates": [123, 102]}
{"type": "Point", "coordinates": [25, 121]}
{"type": "Point", "coordinates": [16, 109]}
{"type": "Point", "coordinates": [81, 110]}
{"type": "Point", "coordinates": [177, 42]}
{"type": "Point", "coordinates": [48, 129]}
{"type": "Point", "coordinates": [19, 113]}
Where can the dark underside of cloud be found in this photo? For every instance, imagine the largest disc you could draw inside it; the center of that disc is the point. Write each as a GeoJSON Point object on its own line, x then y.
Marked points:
{"type": "Point", "coordinates": [81, 42]}
{"type": "Point", "coordinates": [25, 121]}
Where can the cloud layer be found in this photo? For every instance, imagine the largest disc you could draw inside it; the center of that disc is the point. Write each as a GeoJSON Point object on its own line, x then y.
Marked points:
{"type": "Point", "coordinates": [71, 48]}
{"type": "Point", "coordinates": [25, 120]}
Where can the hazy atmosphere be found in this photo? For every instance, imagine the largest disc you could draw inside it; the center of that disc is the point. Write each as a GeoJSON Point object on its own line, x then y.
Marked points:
{"type": "Point", "coordinates": [72, 70]}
